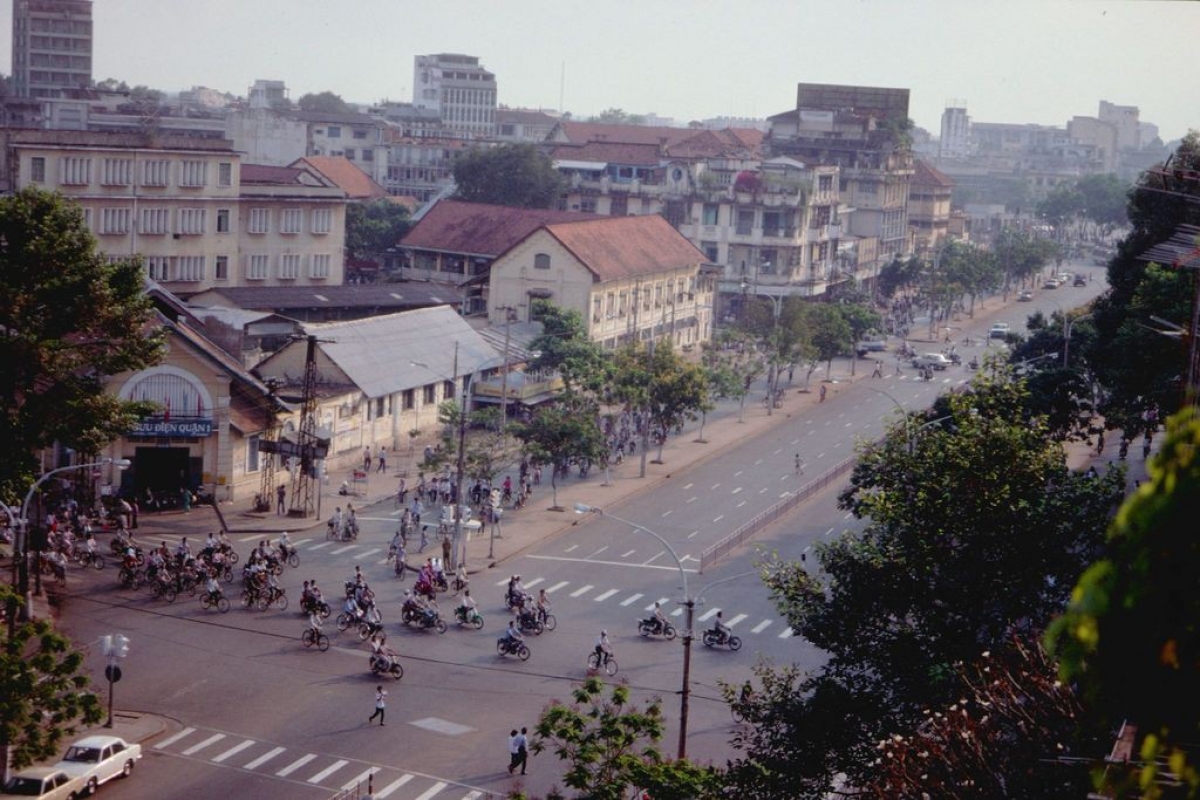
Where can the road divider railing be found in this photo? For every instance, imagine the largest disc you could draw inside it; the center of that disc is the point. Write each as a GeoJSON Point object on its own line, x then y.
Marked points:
{"type": "Point", "coordinates": [718, 550]}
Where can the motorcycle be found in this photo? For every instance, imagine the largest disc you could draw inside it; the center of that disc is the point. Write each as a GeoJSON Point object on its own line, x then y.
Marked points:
{"type": "Point", "coordinates": [651, 626]}
{"type": "Point", "coordinates": [512, 600]}
{"type": "Point", "coordinates": [426, 619]}
{"type": "Point", "coordinates": [530, 622]}
{"type": "Point", "coordinates": [464, 617]}
{"type": "Point", "coordinates": [382, 664]}
{"type": "Point", "coordinates": [714, 638]}
{"type": "Point", "coordinates": [512, 647]}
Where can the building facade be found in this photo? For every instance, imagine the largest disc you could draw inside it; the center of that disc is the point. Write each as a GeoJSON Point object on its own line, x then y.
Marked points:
{"type": "Point", "coordinates": [955, 142]}
{"type": "Point", "coordinates": [458, 89]}
{"type": "Point", "coordinates": [929, 207]}
{"type": "Point", "coordinates": [51, 47]}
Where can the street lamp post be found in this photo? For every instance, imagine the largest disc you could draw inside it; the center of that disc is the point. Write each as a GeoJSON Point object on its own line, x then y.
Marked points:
{"type": "Point", "coordinates": [689, 603]}
{"type": "Point", "coordinates": [1068, 323]}
{"type": "Point", "coordinates": [910, 431]}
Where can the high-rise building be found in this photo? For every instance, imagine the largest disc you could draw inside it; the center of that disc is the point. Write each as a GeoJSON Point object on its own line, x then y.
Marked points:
{"type": "Point", "coordinates": [52, 47]}
{"type": "Point", "coordinates": [1125, 118]}
{"type": "Point", "coordinates": [956, 132]}
{"type": "Point", "coordinates": [461, 91]}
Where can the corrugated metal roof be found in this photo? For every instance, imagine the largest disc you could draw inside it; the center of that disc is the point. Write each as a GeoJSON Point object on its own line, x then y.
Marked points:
{"type": "Point", "coordinates": [381, 354]}
{"type": "Point", "coordinates": [364, 295]}
{"type": "Point", "coordinates": [520, 334]}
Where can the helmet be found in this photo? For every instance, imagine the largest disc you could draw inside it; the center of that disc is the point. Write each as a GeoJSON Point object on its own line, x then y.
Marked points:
{"type": "Point", "coordinates": [604, 633]}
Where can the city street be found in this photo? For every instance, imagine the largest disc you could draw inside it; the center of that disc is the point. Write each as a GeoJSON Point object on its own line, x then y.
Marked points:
{"type": "Point", "coordinates": [254, 713]}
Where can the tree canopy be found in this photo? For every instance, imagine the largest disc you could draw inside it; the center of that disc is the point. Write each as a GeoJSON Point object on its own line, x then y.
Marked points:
{"type": "Point", "coordinates": [375, 227]}
{"type": "Point", "coordinates": [564, 347]}
{"type": "Point", "coordinates": [69, 319]}
{"type": "Point", "coordinates": [557, 433]}
{"type": "Point", "coordinates": [516, 175]}
{"type": "Point", "coordinates": [326, 102]}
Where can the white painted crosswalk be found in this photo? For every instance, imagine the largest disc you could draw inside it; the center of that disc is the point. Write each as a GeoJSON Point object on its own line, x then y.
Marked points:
{"type": "Point", "coordinates": [315, 769]}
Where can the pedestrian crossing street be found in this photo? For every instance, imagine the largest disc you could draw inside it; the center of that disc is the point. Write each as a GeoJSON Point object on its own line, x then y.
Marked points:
{"type": "Point", "coordinates": [233, 751]}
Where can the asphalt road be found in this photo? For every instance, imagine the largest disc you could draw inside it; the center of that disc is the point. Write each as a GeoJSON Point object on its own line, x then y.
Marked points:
{"type": "Point", "coordinates": [259, 715]}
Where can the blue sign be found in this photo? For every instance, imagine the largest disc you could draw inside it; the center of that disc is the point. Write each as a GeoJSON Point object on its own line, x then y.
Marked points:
{"type": "Point", "coordinates": [156, 427]}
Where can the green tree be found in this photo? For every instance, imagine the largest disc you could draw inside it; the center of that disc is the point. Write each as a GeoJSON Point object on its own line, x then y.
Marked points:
{"type": "Point", "coordinates": [1061, 204]}
{"type": "Point", "coordinates": [374, 228]}
{"type": "Point", "coordinates": [1105, 199]}
{"type": "Point", "coordinates": [516, 175]}
{"type": "Point", "coordinates": [617, 116]}
{"type": "Point", "coordinates": [658, 381]}
{"type": "Point", "coordinates": [1131, 635]}
{"type": "Point", "coordinates": [555, 434]}
{"type": "Point", "coordinates": [899, 274]}
{"type": "Point", "coordinates": [324, 102]}
{"type": "Point", "coordinates": [564, 347]}
{"type": "Point", "coordinates": [112, 85]}
{"type": "Point", "coordinates": [609, 746]}
{"type": "Point", "coordinates": [69, 319]}
{"type": "Point", "coordinates": [829, 333]}
{"type": "Point", "coordinates": [974, 528]}
{"type": "Point", "coordinates": [861, 319]}
{"type": "Point", "coordinates": [43, 692]}
{"type": "Point", "coordinates": [732, 363]}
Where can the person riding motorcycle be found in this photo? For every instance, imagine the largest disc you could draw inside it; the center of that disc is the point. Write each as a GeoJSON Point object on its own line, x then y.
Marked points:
{"type": "Point", "coordinates": [720, 629]}
{"type": "Point", "coordinates": [382, 656]}
{"type": "Point", "coordinates": [466, 607]}
{"type": "Point", "coordinates": [286, 548]}
{"type": "Point", "coordinates": [659, 620]}
{"type": "Point", "coordinates": [512, 637]}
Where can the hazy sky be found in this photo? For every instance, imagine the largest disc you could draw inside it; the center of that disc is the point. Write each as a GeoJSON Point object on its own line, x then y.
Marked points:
{"type": "Point", "coordinates": [1041, 61]}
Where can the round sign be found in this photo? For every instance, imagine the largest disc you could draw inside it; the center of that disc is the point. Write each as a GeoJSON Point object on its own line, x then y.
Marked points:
{"type": "Point", "coordinates": [113, 673]}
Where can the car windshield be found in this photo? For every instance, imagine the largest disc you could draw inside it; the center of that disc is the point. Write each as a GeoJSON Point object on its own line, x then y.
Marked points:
{"type": "Point", "coordinates": [26, 787]}
{"type": "Point", "coordinates": [89, 754]}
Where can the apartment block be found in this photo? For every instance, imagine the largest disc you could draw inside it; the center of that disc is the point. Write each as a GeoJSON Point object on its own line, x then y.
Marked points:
{"type": "Point", "coordinates": [458, 89]}
{"type": "Point", "coordinates": [51, 47]}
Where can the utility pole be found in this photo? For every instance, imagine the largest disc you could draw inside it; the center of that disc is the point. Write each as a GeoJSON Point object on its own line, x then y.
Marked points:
{"type": "Point", "coordinates": [509, 313]}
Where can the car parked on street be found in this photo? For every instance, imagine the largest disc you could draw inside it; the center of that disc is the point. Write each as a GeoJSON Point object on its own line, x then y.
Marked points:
{"type": "Point", "coordinates": [1052, 283]}
{"type": "Point", "coordinates": [1025, 296]}
{"type": "Point", "coordinates": [99, 759]}
{"type": "Point", "coordinates": [45, 783]}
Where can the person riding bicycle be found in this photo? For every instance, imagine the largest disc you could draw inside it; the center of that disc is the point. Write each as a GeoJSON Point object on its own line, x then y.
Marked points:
{"type": "Point", "coordinates": [285, 545]}
{"type": "Point", "coordinates": [212, 587]}
{"type": "Point", "coordinates": [543, 605]}
{"type": "Point", "coordinates": [314, 623]}
{"type": "Point", "coordinates": [603, 646]}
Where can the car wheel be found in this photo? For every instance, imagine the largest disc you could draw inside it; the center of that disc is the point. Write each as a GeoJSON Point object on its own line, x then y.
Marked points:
{"type": "Point", "coordinates": [127, 770]}
{"type": "Point", "coordinates": [92, 786]}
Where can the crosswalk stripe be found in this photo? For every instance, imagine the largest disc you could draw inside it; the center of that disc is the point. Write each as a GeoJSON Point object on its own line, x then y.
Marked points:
{"type": "Point", "coordinates": [432, 790]}
{"type": "Point", "coordinates": [557, 586]}
{"type": "Point", "coordinates": [170, 740]}
{"type": "Point", "coordinates": [760, 627]}
{"type": "Point", "coordinates": [393, 786]}
{"type": "Point", "coordinates": [787, 632]}
{"type": "Point", "coordinates": [250, 538]}
{"type": "Point", "coordinates": [737, 618]}
{"type": "Point", "coordinates": [341, 550]}
{"type": "Point", "coordinates": [325, 773]}
{"type": "Point", "coordinates": [631, 600]}
{"type": "Point", "coordinates": [677, 612]}
{"type": "Point", "coordinates": [358, 780]}
{"type": "Point", "coordinates": [503, 582]}
{"type": "Point", "coordinates": [264, 758]}
{"type": "Point", "coordinates": [371, 552]}
{"type": "Point", "coordinates": [712, 612]}
{"type": "Point", "coordinates": [299, 542]}
{"type": "Point", "coordinates": [196, 748]}
{"type": "Point", "coordinates": [534, 582]}
{"type": "Point", "coordinates": [319, 546]}
{"type": "Point", "coordinates": [582, 590]}
{"type": "Point", "coordinates": [233, 751]}
{"type": "Point", "coordinates": [472, 795]}
{"type": "Point", "coordinates": [604, 596]}
{"type": "Point", "coordinates": [295, 765]}
{"type": "Point", "coordinates": [660, 601]}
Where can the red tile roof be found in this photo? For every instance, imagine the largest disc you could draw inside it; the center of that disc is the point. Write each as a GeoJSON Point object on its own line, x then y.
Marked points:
{"type": "Point", "coordinates": [614, 248]}
{"type": "Point", "coordinates": [926, 175]}
{"type": "Point", "coordinates": [710, 144]}
{"type": "Point", "coordinates": [453, 226]}
{"type": "Point", "coordinates": [642, 155]}
{"type": "Point", "coordinates": [581, 132]}
{"type": "Point", "coordinates": [357, 184]}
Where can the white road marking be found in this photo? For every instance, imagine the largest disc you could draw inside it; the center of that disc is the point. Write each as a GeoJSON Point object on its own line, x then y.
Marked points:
{"type": "Point", "coordinates": [760, 491]}
{"type": "Point", "coordinates": [714, 486]}
{"type": "Point", "coordinates": [677, 612]}
{"type": "Point", "coordinates": [432, 790]}
{"type": "Point", "coordinates": [759, 461]}
{"type": "Point", "coordinates": [319, 546]}
{"type": "Point", "coordinates": [849, 514]}
{"type": "Point", "coordinates": [250, 538]}
{"type": "Point", "coordinates": [739, 505]}
{"type": "Point", "coordinates": [371, 552]}
{"type": "Point", "coordinates": [735, 491]}
{"type": "Point", "coordinates": [264, 758]}
{"type": "Point", "coordinates": [718, 518]}
{"type": "Point", "coordinates": [736, 620]}
{"type": "Point", "coordinates": [712, 612]}
{"type": "Point", "coordinates": [325, 773]}
{"type": "Point", "coordinates": [787, 633]}
{"type": "Point", "coordinates": [631, 600]}
{"type": "Point", "coordinates": [848, 424]}
{"type": "Point", "coordinates": [534, 582]}
{"type": "Point", "coordinates": [571, 548]}
{"type": "Point", "coordinates": [692, 499]}
{"type": "Point", "coordinates": [582, 590]}
{"type": "Point", "coordinates": [170, 740]}
{"type": "Point", "coordinates": [693, 533]}
{"type": "Point", "coordinates": [645, 565]}
{"type": "Point", "coordinates": [359, 779]}
{"type": "Point", "coordinates": [739, 472]}
{"type": "Point", "coordinates": [660, 601]}
{"type": "Point", "coordinates": [558, 585]}
{"type": "Point", "coordinates": [341, 550]}
{"type": "Point", "coordinates": [760, 627]}
{"type": "Point", "coordinates": [687, 486]}
{"type": "Point", "coordinates": [604, 596]}
{"type": "Point", "coordinates": [299, 542]}
{"type": "Point", "coordinates": [668, 512]}
{"type": "Point", "coordinates": [393, 786]}
{"type": "Point", "coordinates": [295, 765]}
{"type": "Point", "coordinates": [598, 552]}
{"type": "Point", "coordinates": [196, 748]}
{"type": "Point", "coordinates": [233, 751]}
{"type": "Point", "coordinates": [503, 582]}
{"type": "Point", "coordinates": [628, 553]}
{"type": "Point", "coordinates": [652, 558]}
{"type": "Point", "coordinates": [826, 533]}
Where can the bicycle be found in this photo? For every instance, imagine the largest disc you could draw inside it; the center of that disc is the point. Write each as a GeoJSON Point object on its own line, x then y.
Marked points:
{"type": "Point", "coordinates": [220, 602]}
{"type": "Point", "coordinates": [311, 637]}
{"type": "Point", "coordinates": [604, 660]}
{"type": "Point", "coordinates": [86, 559]}
{"type": "Point", "coordinates": [272, 597]}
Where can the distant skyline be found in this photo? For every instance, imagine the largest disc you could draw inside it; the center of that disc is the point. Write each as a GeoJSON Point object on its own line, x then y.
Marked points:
{"type": "Point", "coordinates": [1019, 61]}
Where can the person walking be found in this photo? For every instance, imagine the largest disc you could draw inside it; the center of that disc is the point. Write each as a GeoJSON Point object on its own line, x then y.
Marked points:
{"type": "Point", "coordinates": [514, 753]}
{"type": "Point", "coordinates": [822, 393]}
{"type": "Point", "coordinates": [523, 749]}
{"type": "Point", "coordinates": [380, 704]}
{"type": "Point", "coordinates": [878, 372]}
{"type": "Point", "coordinates": [382, 460]}
{"type": "Point", "coordinates": [799, 465]}
{"type": "Point", "coordinates": [281, 499]}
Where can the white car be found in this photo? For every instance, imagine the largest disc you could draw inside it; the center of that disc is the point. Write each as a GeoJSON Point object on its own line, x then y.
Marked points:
{"type": "Point", "coordinates": [999, 331]}
{"type": "Point", "coordinates": [934, 360]}
{"type": "Point", "coordinates": [99, 759]}
{"type": "Point", "coordinates": [45, 783]}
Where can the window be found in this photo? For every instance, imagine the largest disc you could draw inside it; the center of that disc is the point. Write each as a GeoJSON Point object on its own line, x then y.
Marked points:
{"type": "Point", "coordinates": [379, 407]}
{"type": "Point", "coordinates": [349, 153]}
{"type": "Point", "coordinates": [191, 221]}
{"type": "Point", "coordinates": [115, 221]}
{"type": "Point", "coordinates": [335, 132]}
{"type": "Point", "coordinates": [37, 169]}
{"type": "Point", "coordinates": [711, 251]}
{"type": "Point", "coordinates": [319, 266]}
{"type": "Point", "coordinates": [368, 154]}
{"type": "Point", "coordinates": [222, 220]}
{"type": "Point", "coordinates": [158, 268]}
{"type": "Point", "coordinates": [155, 173]}
{"type": "Point", "coordinates": [430, 394]}
{"type": "Point", "coordinates": [155, 221]}
{"type": "Point", "coordinates": [260, 221]}
{"type": "Point", "coordinates": [710, 213]}
{"type": "Point", "coordinates": [289, 266]}
{"type": "Point", "coordinates": [290, 221]}
{"type": "Point", "coordinates": [407, 398]}
{"type": "Point", "coordinates": [252, 460]}
{"type": "Point", "coordinates": [359, 133]}
{"type": "Point", "coordinates": [541, 261]}
{"type": "Point", "coordinates": [825, 183]}
{"type": "Point", "coordinates": [117, 172]}
{"type": "Point", "coordinates": [322, 220]}
{"type": "Point", "coordinates": [76, 171]}
{"type": "Point", "coordinates": [257, 267]}
{"type": "Point", "coordinates": [225, 174]}
{"type": "Point", "coordinates": [588, 205]}
{"type": "Point", "coordinates": [189, 268]}
{"type": "Point", "coordinates": [221, 268]}
{"type": "Point", "coordinates": [745, 221]}
{"type": "Point", "coordinates": [193, 173]}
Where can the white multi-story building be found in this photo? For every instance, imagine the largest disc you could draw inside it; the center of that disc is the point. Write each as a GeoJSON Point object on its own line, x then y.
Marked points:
{"type": "Point", "coordinates": [955, 141]}
{"type": "Point", "coordinates": [461, 91]}
{"type": "Point", "coordinates": [188, 208]}
{"type": "Point", "coordinates": [51, 47]}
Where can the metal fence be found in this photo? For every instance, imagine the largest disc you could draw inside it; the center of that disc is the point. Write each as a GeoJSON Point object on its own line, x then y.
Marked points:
{"type": "Point", "coordinates": [718, 550]}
